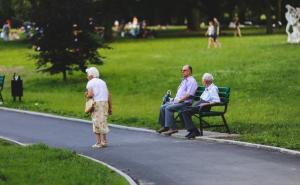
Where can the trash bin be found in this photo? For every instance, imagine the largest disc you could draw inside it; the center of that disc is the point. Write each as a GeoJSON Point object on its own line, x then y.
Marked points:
{"type": "Point", "coordinates": [17, 87]}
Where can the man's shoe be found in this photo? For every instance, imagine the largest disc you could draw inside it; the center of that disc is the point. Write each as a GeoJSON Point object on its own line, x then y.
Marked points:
{"type": "Point", "coordinates": [194, 134]}
{"type": "Point", "coordinates": [170, 132]}
{"type": "Point", "coordinates": [191, 136]}
{"type": "Point", "coordinates": [188, 134]}
{"type": "Point", "coordinates": [162, 129]}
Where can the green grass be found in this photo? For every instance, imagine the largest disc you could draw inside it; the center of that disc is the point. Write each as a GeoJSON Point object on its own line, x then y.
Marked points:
{"type": "Point", "coordinates": [39, 164]}
{"type": "Point", "coordinates": [262, 71]}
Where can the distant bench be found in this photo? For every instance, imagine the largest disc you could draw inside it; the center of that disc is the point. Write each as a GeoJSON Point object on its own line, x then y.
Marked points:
{"type": "Point", "coordinates": [207, 111]}
{"type": "Point", "coordinates": [1, 86]}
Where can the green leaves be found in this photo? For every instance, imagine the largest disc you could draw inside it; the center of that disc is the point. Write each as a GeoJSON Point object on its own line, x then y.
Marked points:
{"type": "Point", "coordinates": [65, 37]}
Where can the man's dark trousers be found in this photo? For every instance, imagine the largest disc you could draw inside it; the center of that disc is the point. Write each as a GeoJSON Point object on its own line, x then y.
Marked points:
{"type": "Point", "coordinates": [166, 115]}
{"type": "Point", "coordinates": [187, 113]}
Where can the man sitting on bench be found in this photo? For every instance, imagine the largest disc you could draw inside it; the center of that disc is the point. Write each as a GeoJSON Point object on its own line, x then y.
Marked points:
{"type": "Point", "coordinates": [184, 95]}
{"type": "Point", "coordinates": [208, 97]}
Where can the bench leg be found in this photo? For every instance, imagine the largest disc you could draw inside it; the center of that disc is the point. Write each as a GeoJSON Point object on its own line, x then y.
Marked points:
{"type": "Point", "coordinates": [201, 126]}
{"type": "Point", "coordinates": [225, 124]}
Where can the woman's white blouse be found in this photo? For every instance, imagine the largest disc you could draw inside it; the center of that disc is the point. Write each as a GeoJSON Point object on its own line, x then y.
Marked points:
{"type": "Point", "coordinates": [99, 89]}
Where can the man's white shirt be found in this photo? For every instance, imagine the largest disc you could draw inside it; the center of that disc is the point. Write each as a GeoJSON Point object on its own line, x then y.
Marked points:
{"type": "Point", "coordinates": [211, 94]}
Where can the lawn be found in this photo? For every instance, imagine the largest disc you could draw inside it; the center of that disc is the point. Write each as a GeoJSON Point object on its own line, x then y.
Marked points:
{"type": "Point", "coordinates": [39, 164]}
{"type": "Point", "coordinates": [262, 71]}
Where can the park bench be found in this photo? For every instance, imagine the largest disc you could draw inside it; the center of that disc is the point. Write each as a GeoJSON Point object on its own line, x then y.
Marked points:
{"type": "Point", "coordinates": [208, 111]}
{"type": "Point", "coordinates": [1, 86]}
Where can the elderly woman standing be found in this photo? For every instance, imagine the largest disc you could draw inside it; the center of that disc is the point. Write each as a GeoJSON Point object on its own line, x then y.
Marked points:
{"type": "Point", "coordinates": [97, 89]}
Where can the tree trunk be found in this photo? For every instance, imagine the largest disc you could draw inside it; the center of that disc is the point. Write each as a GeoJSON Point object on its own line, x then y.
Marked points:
{"type": "Point", "coordinates": [268, 12]}
{"type": "Point", "coordinates": [108, 19]}
{"type": "Point", "coordinates": [279, 6]}
{"type": "Point", "coordinates": [64, 75]}
{"type": "Point", "coordinates": [108, 30]}
{"type": "Point", "coordinates": [194, 19]}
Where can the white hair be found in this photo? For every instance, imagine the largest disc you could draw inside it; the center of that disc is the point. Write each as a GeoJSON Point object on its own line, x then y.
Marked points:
{"type": "Point", "coordinates": [208, 77]}
{"type": "Point", "coordinates": [92, 71]}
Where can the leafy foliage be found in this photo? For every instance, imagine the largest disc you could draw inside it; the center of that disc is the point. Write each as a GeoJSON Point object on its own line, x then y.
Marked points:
{"type": "Point", "coordinates": [65, 35]}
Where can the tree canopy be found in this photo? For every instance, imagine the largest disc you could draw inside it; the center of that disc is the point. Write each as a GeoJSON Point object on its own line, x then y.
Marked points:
{"type": "Point", "coordinates": [65, 36]}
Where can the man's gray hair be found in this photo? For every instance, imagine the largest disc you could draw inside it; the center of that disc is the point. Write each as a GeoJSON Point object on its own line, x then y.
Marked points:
{"type": "Point", "coordinates": [208, 77]}
{"type": "Point", "coordinates": [92, 71]}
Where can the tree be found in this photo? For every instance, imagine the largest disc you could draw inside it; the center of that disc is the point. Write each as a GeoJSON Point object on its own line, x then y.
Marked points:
{"type": "Point", "coordinates": [15, 10]}
{"type": "Point", "coordinates": [65, 37]}
{"type": "Point", "coordinates": [6, 10]}
{"type": "Point", "coordinates": [21, 9]}
{"type": "Point", "coordinates": [268, 6]}
{"type": "Point", "coordinates": [193, 14]}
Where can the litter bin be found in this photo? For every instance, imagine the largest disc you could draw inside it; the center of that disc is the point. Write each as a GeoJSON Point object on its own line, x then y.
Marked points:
{"type": "Point", "coordinates": [17, 87]}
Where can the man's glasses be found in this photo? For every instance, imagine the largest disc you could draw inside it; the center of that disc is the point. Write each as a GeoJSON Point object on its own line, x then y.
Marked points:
{"type": "Point", "coordinates": [184, 70]}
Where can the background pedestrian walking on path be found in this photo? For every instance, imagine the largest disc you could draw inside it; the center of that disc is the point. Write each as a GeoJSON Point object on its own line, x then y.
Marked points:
{"type": "Point", "coordinates": [237, 29]}
{"type": "Point", "coordinates": [211, 34]}
{"type": "Point", "coordinates": [217, 32]}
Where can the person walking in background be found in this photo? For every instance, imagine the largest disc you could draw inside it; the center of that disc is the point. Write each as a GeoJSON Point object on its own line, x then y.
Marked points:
{"type": "Point", "coordinates": [237, 29]}
{"type": "Point", "coordinates": [135, 26]}
{"type": "Point", "coordinates": [216, 32]}
{"type": "Point", "coordinates": [183, 98]}
{"type": "Point", "coordinates": [210, 33]}
{"type": "Point", "coordinates": [97, 89]}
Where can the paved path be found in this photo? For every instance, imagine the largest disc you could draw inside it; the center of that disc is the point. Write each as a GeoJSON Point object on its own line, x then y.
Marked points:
{"type": "Point", "coordinates": [158, 160]}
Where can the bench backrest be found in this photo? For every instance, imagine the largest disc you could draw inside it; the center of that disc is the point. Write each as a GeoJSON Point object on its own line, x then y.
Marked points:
{"type": "Point", "coordinates": [1, 82]}
{"type": "Point", "coordinates": [224, 93]}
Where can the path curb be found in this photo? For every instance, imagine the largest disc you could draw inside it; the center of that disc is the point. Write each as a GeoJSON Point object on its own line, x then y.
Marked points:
{"type": "Point", "coordinates": [124, 175]}
{"type": "Point", "coordinates": [251, 145]}
{"type": "Point", "coordinates": [74, 119]}
{"type": "Point", "coordinates": [241, 143]}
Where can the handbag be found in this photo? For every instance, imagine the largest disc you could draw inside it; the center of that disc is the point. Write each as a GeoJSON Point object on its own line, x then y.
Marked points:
{"type": "Point", "coordinates": [89, 105]}
{"type": "Point", "coordinates": [167, 97]}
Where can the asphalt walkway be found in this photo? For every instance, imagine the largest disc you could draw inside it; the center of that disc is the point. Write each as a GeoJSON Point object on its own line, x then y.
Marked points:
{"type": "Point", "coordinates": [153, 159]}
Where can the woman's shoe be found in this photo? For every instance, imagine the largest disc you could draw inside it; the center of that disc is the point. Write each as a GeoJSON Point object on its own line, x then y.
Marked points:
{"type": "Point", "coordinates": [97, 146]}
{"type": "Point", "coordinates": [103, 144]}
{"type": "Point", "coordinates": [170, 132]}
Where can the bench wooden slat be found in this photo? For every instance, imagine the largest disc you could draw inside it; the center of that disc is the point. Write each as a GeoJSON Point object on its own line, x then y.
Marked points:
{"type": "Point", "coordinates": [223, 93]}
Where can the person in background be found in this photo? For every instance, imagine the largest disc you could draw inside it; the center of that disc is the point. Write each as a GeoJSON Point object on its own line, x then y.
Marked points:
{"type": "Point", "coordinates": [216, 32]}
{"type": "Point", "coordinates": [237, 29]}
{"type": "Point", "coordinates": [210, 33]}
{"type": "Point", "coordinates": [5, 32]}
